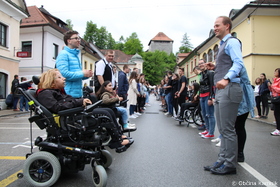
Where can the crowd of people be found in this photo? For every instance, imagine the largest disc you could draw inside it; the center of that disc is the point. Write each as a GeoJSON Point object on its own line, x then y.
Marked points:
{"type": "Point", "coordinates": [224, 93]}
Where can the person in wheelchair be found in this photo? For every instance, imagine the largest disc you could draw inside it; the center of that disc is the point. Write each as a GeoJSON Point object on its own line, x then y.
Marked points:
{"type": "Point", "coordinates": [109, 99]}
{"type": "Point", "coordinates": [51, 95]}
{"type": "Point", "coordinates": [193, 101]}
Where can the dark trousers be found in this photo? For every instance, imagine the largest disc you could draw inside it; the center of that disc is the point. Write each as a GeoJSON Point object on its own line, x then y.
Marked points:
{"type": "Point", "coordinates": [124, 96]}
{"type": "Point", "coordinates": [186, 106]}
{"type": "Point", "coordinates": [175, 105]}
{"type": "Point", "coordinates": [132, 108]}
{"type": "Point", "coordinates": [277, 115]}
{"type": "Point", "coordinates": [181, 99]}
{"type": "Point", "coordinates": [241, 131]}
{"type": "Point", "coordinates": [258, 104]}
{"type": "Point", "coordinates": [265, 108]}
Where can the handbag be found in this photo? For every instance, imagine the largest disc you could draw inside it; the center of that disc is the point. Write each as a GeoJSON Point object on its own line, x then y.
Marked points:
{"type": "Point", "coordinates": [275, 100]}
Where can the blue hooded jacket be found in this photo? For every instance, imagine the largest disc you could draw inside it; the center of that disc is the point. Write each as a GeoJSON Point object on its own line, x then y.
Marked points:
{"type": "Point", "coordinates": [69, 65]}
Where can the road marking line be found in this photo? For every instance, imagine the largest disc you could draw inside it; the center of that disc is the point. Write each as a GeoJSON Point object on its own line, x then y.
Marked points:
{"type": "Point", "coordinates": [12, 158]}
{"type": "Point", "coordinates": [12, 178]}
{"type": "Point", "coordinates": [18, 128]}
{"type": "Point", "coordinates": [257, 175]}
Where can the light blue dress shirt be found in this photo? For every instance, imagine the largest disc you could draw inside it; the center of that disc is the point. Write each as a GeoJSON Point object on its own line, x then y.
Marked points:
{"type": "Point", "coordinates": [233, 49]}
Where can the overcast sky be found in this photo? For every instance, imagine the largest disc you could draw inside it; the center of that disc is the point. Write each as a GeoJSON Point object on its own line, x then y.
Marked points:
{"type": "Point", "coordinates": [145, 17]}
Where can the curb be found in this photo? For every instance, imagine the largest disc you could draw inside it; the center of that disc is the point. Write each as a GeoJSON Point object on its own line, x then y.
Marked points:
{"type": "Point", "coordinates": [261, 121]}
{"type": "Point", "coordinates": [15, 114]}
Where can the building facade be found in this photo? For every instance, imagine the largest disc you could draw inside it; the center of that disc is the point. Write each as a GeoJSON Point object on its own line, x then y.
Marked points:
{"type": "Point", "coordinates": [257, 25]}
{"type": "Point", "coordinates": [11, 13]}
{"type": "Point", "coordinates": [161, 42]}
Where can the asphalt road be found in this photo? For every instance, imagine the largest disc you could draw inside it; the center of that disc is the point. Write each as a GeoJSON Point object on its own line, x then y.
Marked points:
{"type": "Point", "coordinates": [164, 154]}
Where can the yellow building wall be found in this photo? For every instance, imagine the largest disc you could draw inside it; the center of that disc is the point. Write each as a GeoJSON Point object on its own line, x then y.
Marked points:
{"type": "Point", "coordinates": [266, 37]}
{"type": "Point", "coordinates": [244, 34]}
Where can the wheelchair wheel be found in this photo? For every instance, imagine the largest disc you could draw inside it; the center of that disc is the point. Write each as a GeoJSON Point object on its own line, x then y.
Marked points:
{"type": "Point", "coordinates": [106, 159]}
{"type": "Point", "coordinates": [99, 176]}
{"type": "Point", "coordinates": [188, 116]}
{"type": "Point", "coordinates": [41, 169]}
{"type": "Point", "coordinates": [197, 117]}
{"type": "Point", "coordinates": [106, 138]}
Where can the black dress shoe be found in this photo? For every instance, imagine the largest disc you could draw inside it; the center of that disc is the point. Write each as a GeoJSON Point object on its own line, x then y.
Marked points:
{"type": "Point", "coordinates": [223, 170]}
{"type": "Point", "coordinates": [215, 165]}
{"type": "Point", "coordinates": [240, 157]}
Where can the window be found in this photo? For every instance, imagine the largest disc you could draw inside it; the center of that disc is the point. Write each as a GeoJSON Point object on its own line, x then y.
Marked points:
{"type": "Point", "coordinates": [216, 49]}
{"type": "Point", "coordinates": [26, 46]}
{"type": "Point", "coordinates": [210, 55]}
{"type": "Point", "coordinates": [90, 66]}
{"type": "Point", "coordinates": [85, 67]}
{"type": "Point", "coordinates": [55, 51]}
{"type": "Point", "coordinates": [3, 81]}
{"type": "Point", "coordinates": [205, 57]}
{"type": "Point", "coordinates": [3, 35]}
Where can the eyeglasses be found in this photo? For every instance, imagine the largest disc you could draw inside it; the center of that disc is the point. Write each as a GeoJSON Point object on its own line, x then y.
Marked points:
{"type": "Point", "coordinates": [76, 38]}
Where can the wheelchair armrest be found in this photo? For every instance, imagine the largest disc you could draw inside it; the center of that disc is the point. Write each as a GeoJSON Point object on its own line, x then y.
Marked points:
{"type": "Point", "coordinates": [124, 101]}
{"type": "Point", "coordinates": [92, 106]}
{"type": "Point", "coordinates": [71, 111]}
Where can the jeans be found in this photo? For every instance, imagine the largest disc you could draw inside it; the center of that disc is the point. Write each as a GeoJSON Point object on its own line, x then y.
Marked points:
{"type": "Point", "coordinates": [23, 103]}
{"type": "Point", "coordinates": [147, 99]}
{"type": "Point", "coordinates": [123, 113]}
{"type": "Point", "coordinates": [168, 99]}
{"type": "Point", "coordinates": [15, 101]}
{"type": "Point", "coordinates": [208, 115]}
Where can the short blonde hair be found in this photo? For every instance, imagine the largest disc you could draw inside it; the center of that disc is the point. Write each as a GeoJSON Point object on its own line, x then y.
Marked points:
{"type": "Point", "coordinates": [47, 79]}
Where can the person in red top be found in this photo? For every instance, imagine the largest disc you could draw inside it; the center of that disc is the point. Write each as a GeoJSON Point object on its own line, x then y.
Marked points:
{"type": "Point", "coordinates": [206, 99]}
{"type": "Point", "coordinates": [275, 89]}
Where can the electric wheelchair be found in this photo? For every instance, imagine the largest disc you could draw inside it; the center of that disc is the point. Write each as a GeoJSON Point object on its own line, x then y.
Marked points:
{"type": "Point", "coordinates": [74, 138]}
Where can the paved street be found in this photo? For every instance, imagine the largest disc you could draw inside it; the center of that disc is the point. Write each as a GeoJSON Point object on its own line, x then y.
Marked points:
{"type": "Point", "coordinates": [164, 154]}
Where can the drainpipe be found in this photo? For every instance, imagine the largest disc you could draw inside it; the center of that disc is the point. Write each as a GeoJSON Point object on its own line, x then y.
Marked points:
{"type": "Point", "coordinates": [42, 60]}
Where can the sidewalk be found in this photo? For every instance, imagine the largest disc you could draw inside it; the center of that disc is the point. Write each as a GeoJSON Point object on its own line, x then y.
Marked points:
{"type": "Point", "coordinates": [10, 112]}
{"type": "Point", "coordinates": [270, 118]}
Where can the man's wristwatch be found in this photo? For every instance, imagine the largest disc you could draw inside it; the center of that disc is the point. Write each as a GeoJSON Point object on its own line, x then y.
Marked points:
{"type": "Point", "coordinates": [226, 78]}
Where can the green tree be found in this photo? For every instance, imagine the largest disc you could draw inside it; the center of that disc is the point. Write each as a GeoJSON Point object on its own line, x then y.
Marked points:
{"type": "Point", "coordinates": [91, 32]}
{"type": "Point", "coordinates": [97, 36]}
{"type": "Point", "coordinates": [186, 46]}
{"type": "Point", "coordinates": [120, 44]}
{"type": "Point", "coordinates": [101, 39]}
{"type": "Point", "coordinates": [69, 24]}
{"type": "Point", "coordinates": [111, 42]}
{"type": "Point", "coordinates": [132, 45]}
{"type": "Point", "coordinates": [156, 64]}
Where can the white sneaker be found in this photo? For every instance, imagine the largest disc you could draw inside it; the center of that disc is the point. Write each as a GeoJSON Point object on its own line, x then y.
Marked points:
{"type": "Point", "coordinates": [166, 113]}
{"type": "Point", "coordinates": [137, 113]}
{"type": "Point", "coordinates": [216, 140]}
{"type": "Point", "coordinates": [136, 116]}
{"type": "Point", "coordinates": [131, 125]}
{"type": "Point", "coordinates": [218, 144]}
{"type": "Point", "coordinates": [132, 116]}
{"type": "Point", "coordinates": [193, 126]}
{"type": "Point", "coordinates": [275, 133]}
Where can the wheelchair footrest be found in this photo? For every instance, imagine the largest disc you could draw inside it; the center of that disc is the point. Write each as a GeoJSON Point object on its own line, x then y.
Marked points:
{"type": "Point", "coordinates": [54, 146]}
{"type": "Point", "coordinates": [129, 130]}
